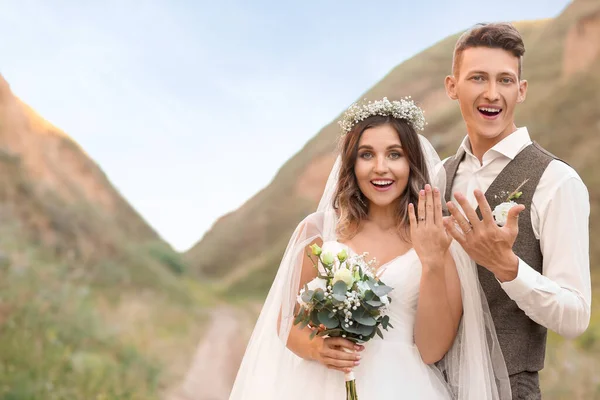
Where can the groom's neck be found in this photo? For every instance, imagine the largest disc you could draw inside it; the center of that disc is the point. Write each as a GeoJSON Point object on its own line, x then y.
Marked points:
{"type": "Point", "coordinates": [481, 143]}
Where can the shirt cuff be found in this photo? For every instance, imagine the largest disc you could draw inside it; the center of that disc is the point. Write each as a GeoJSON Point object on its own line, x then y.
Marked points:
{"type": "Point", "coordinates": [523, 284]}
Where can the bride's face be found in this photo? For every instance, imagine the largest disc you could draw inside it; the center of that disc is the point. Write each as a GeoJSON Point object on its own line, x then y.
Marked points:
{"type": "Point", "coordinates": [381, 168]}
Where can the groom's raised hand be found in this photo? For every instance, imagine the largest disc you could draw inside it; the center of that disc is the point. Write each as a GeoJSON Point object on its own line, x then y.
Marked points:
{"type": "Point", "coordinates": [485, 242]}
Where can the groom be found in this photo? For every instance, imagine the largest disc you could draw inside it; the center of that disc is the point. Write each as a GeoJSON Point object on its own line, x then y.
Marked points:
{"type": "Point", "coordinates": [535, 269]}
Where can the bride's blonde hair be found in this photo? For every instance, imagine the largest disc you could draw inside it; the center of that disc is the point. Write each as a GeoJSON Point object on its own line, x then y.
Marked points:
{"type": "Point", "coordinates": [350, 203]}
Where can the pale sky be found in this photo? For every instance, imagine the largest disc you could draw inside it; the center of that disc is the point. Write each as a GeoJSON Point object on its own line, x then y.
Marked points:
{"type": "Point", "coordinates": [191, 107]}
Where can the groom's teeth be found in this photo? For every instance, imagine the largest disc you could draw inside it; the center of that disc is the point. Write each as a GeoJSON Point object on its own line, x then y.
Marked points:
{"type": "Point", "coordinates": [489, 109]}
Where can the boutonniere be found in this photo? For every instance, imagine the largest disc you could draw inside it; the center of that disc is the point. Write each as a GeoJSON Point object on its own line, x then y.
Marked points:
{"type": "Point", "coordinates": [500, 212]}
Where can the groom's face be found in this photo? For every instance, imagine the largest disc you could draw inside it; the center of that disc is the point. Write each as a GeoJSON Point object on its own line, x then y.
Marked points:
{"type": "Point", "coordinates": [487, 87]}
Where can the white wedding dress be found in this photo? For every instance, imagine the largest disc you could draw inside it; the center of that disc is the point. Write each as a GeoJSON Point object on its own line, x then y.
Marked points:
{"type": "Point", "coordinates": [390, 368]}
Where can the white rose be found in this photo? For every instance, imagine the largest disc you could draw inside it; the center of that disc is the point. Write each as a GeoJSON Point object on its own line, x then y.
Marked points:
{"type": "Point", "coordinates": [343, 274]}
{"type": "Point", "coordinates": [500, 213]}
{"type": "Point", "coordinates": [317, 283]}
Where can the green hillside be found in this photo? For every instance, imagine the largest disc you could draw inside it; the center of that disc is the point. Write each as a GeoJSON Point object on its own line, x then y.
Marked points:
{"type": "Point", "coordinates": [93, 304]}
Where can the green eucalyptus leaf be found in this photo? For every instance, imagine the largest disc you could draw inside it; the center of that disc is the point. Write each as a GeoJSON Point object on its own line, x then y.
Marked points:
{"type": "Point", "coordinates": [363, 317]}
{"type": "Point", "coordinates": [339, 298]}
{"type": "Point", "coordinates": [385, 321]}
{"type": "Point", "coordinates": [319, 295]}
{"type": "Point", "coordinates": [304, 323]}
{"type": "Point", "coordinates": [331, 332]}
{"type": "Point", "coordinates": [329, 323]}
{"type": "Point", "coordinates": [350, 328]}
{"type": "Point", "coordinates": [340, 287]}
{"type": "Point", "coordinates": [339, 291]}
{"type": "Point", "coordinates": [382, 290]}
{"type": "Point", "coordinates": [314, 317]}
{"type": "Point", "coordinates": [374, 303]}
{"type": "Point", "coordinates": [365, 330]}
{"type": "Point", "coordinates": [307, 296]}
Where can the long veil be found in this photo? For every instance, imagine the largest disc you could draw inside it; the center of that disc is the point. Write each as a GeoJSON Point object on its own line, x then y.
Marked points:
{"type": "Point", "coordinates": [473, 368]}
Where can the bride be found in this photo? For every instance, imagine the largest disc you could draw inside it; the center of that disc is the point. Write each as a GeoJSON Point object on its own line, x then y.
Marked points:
{"type": "Point", "coordinates": [383, 198]}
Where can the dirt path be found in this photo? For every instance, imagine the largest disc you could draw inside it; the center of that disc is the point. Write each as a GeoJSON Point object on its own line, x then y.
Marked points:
{"type": "Point", "coordinates": [217, 358]}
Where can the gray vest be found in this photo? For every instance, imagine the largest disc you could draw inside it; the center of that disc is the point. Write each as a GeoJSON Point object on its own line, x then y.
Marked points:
{"type": "Point", "coordinates": [523, 341]}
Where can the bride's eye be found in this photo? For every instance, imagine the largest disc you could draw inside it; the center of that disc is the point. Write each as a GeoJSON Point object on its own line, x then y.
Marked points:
{"type": "Point", "coordinates": [395, 155]}
{"type": "Point", "coordinates": [366, 155]}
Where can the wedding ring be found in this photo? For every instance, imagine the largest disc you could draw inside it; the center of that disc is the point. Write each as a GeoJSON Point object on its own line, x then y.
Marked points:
{"type": "Point", "coordinates": [470, 229]}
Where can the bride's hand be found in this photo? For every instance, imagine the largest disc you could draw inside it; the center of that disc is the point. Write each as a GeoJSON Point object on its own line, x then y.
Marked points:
{"type": "Point", "coordinates": [428, 234]}
{"type": "Point", "coordinates": [330, 352]}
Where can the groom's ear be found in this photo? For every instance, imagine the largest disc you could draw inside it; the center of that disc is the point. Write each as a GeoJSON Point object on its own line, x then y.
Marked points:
{"type": "Point", "coordinates": [522, 91]}
{"type": "Point", "coordinates": [450, 84]}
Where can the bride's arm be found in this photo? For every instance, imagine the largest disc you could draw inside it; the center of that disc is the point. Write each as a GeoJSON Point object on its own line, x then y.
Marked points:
{"type": "Point", "coordinates": [326, 351]}
{"type": "Point", "coordinates": [439, 310]}
{"type": "Point", "coordinates": [439, 307]}
{"type": "Point", "coordinates": [298, 339]}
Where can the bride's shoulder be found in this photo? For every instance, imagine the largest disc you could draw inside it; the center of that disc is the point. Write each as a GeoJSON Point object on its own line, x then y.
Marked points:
{"type": "Point", "coordinates": [312, 223]}
{"type": "Point", "coordinates": [315, 225]}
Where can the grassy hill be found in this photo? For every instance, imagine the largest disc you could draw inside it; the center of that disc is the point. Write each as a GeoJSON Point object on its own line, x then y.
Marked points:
{"type": "Point", "coordinates": [562, 112]}
{"type": "Point", "coordinates": [93, 303]}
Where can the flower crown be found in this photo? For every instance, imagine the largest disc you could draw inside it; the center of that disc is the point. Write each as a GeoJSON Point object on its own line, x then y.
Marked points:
{"type": "Point", "coordinates": [405, 109]}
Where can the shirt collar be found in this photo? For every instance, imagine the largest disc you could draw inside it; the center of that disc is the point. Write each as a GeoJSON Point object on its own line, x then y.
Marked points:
{"type": "Point", "coordinates": [509, 147]}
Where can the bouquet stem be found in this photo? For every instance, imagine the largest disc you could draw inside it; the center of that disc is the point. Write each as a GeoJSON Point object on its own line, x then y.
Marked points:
{"type": "Point", "coordinates": [350, 386]}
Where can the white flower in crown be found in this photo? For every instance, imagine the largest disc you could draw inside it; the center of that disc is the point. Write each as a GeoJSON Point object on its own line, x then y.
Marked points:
{"type": "Point", "coordinates": [405, 109]}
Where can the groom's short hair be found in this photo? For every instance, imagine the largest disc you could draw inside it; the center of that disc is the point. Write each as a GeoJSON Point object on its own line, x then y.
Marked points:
{"type": "Point", "coordinates": [499, 35]}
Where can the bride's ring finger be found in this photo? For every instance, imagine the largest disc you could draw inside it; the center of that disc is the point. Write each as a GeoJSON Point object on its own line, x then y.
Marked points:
{"type": "Point", "coordinates": [421, 210]}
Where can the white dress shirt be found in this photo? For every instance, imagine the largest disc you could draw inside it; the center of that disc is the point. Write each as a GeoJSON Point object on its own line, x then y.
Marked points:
{"type": "Point", "coordinates": [560, 298]}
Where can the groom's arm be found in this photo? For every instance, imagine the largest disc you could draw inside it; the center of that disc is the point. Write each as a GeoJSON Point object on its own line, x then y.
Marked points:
{"type": "Point", "coordinates": [560, 299]}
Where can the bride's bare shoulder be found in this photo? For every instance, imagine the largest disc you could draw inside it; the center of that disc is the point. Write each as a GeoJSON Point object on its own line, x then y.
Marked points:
{"type": "Point", "coordinates": [313, 224]}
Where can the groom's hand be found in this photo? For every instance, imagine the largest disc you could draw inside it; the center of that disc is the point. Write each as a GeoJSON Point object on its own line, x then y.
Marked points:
{"type": "Point", "coordinates": [485, 242]}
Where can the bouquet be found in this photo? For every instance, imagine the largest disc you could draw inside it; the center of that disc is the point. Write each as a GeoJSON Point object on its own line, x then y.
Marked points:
{"type": "Point", "coordinates": [346, 299]}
